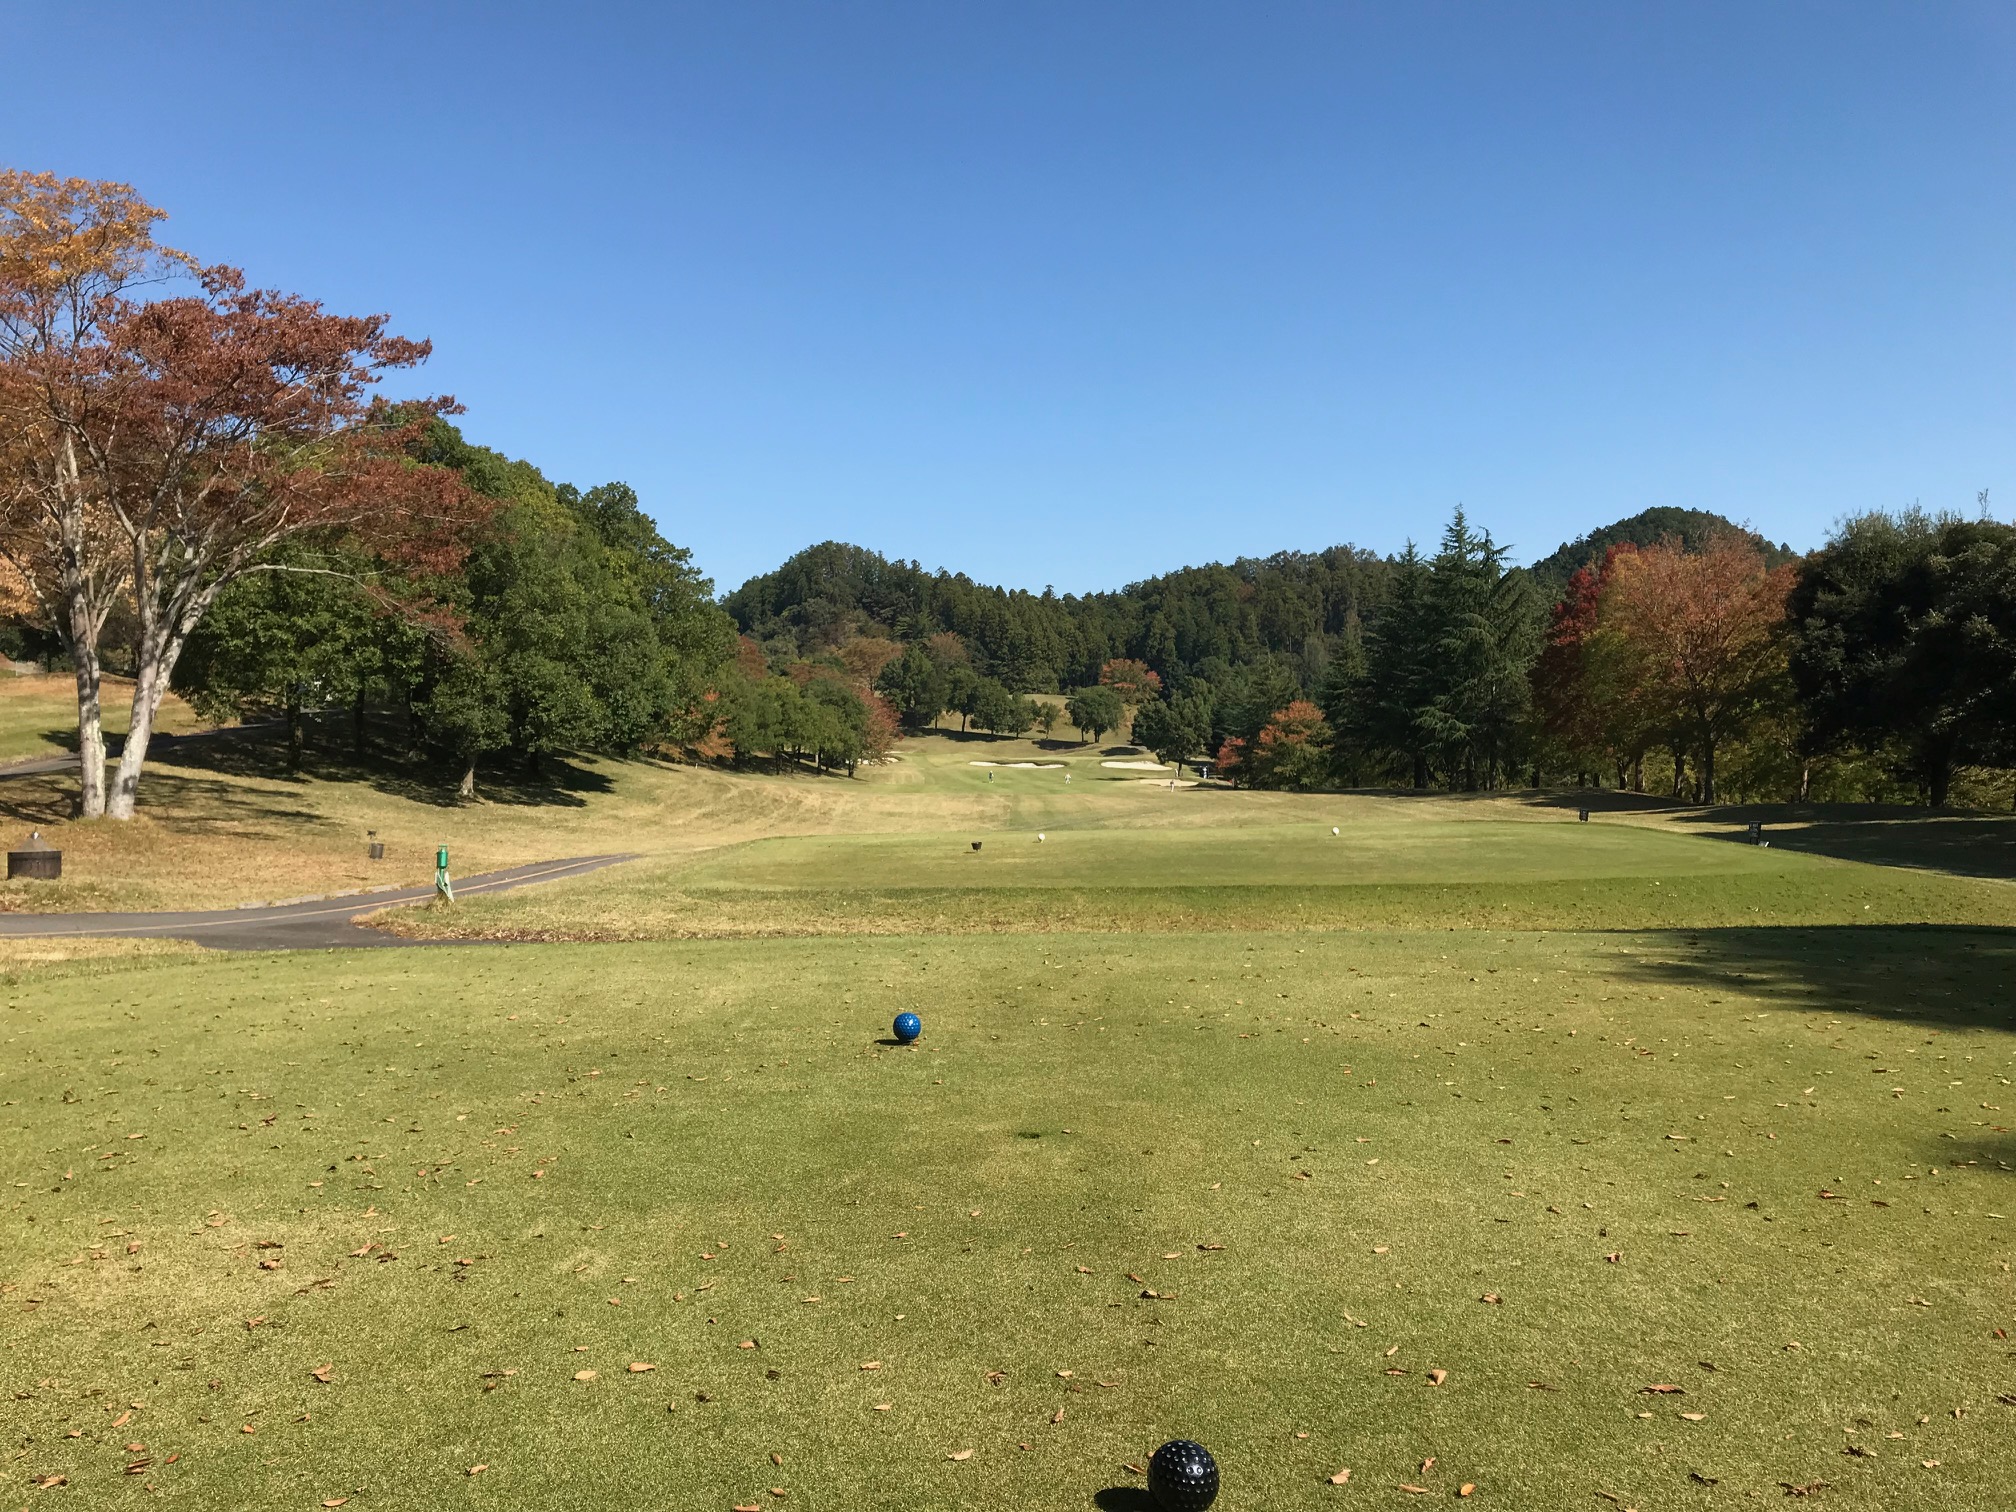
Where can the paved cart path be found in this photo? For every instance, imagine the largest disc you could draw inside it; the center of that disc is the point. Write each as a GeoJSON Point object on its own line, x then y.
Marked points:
{"type": "Point", "coordinates": [319, 924]}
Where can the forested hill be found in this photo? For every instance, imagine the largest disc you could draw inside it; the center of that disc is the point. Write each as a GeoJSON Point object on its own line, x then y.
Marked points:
{"type": "Point", "coordinates": [1291, 612]}
{"type": "Point", "coordinates": [1691, 527]}
{"type": "Point", "coordinates": [1201, 622]}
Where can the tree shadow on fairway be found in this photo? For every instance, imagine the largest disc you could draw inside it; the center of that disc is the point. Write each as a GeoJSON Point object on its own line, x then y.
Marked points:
{"type": "Point", "coordinates": [1962, 845]}
{"type": "Point", "coordinates": [386, 767]}
{"type": "Point", "coordinates": [1941, 977]}
{"type": "Point", "coordinates": [1950, 975]}
{"type": "Point", "coordinates": [1124, 1499]}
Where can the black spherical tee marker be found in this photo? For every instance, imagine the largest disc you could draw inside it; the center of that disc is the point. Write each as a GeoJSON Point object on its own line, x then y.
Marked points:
{"type": "Point", "coordinates": [1182, 1477]}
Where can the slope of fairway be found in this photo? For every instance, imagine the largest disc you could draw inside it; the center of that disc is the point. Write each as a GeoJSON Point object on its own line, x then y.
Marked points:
{"type": "Point", "coordinates": [1666, 1220]}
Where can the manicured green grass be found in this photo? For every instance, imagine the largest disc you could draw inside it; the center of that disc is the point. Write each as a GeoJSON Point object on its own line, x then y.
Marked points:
{"type": "Point", "coordinates": [1274, 855]}
{"type": "Point", "coordinates": [1390, 868]}
{"type": "Point", "coordinates": [1764, 1166]}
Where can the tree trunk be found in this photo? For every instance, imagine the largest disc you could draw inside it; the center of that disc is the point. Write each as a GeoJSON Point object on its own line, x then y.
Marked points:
{"type": "Point", "coordinates": [293, 732]}
{"type": "Point", "coordinates": [467, 787]}
{"type": "Point", "coordinates": [90, 732]}
{"type": "Point", "coordinates": [1805, 780]}
{"type": "Point", "coordinates": [150, 682]}
{"type": "Point", "coordinates": [1707, 769]}
{"type": "Point", "coordinates": [1939, 781]}
{"type": "Point", "coordinates": [357, 725]}
{"type": "Point", "coordinates": [1679, 773]}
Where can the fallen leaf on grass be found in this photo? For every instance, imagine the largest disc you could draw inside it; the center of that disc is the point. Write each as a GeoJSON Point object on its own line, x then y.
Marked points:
{"type": "Point", "coordinates": [1811, 1488]}
{"type": "Point", "coordinates": [1057, 1416]}
{"type": "Point", "coordinates": [638, 1367]}
{"type": "Point", "coordinates": [1662, 1390]}
{"type": "Point", "coordinates": [584, 1375]}
{"type": "Point", "coordinates": [960, 1454]}
{"type": "Point", "coordinates": [335, 1501]}
{"type": "Point", "coordinates": [477, 1469]}
{"type": "Point", "coordinates": [322, 1373]}
{"type": "Point", "coordinates": [1437, 1377]}
{"type": "Point", "coordinates": [51, 1482]}
{"type": "Point", "coordinates": [1415, 1490]}
{"type": "Point", "coordinates": [1341, 1478]}
{"type": "Point", "coordinates": [1694, 1417]}
{"type": "Point", "coordinates": [871, 1364]}
{"type": "Point", "coordinates": [1468, 1488]}
{"type": "Point", "coordinates": [1492, 1297]}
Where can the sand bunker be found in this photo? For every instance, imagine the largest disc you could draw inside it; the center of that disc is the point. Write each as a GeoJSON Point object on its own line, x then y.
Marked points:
{"type": "Point", "coordinates": [1136, 766]}
{"type": "Point", "coordinates": [1043, 766]}
{"type": "Point", "coordinates": [1168, 782]}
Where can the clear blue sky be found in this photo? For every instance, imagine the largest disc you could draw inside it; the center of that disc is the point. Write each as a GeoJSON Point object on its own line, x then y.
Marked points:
{"type": "Point", "coordinates": [1073, 293]}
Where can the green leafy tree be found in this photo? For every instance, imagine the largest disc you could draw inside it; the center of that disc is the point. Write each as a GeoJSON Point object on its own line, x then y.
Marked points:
{"type": "Point", "coordinates": [300, 638]}
{"type": "Point", "coordinates": [1174, 729]}
{"type": "Point", "coordinates": [1095, 711]}
{"type": "Point", "coordinates": [1000, 711]}
{"type": "Point", "coordinates": [1904, 638]}
{"type": "Point", "coordinates": [915, 686]}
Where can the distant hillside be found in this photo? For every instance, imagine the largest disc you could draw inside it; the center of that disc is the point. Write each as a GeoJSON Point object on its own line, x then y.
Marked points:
{"type": "Point", "coordinates": [1279, 618]}
{"type": "Point", "coordinates": [1690, 526]}
{"type": "Point", "coordinates": [1212, 622]}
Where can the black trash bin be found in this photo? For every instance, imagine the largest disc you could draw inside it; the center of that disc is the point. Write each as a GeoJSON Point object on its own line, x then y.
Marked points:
{"type": "Point", "coordinates": [38, 859]}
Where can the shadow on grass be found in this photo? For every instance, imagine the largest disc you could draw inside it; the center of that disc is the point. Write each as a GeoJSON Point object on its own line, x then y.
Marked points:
{"type": "Point", "coordinates": [1956, 976]}
{"type": "Point", "coordinates": [1939, 977]}
{"type": "Point", "coordinates": [1962, 845]}
{"type": "Point", "coordinates": [1124, 1499]}
{"type": "Point", "coordinates": [557, 782]}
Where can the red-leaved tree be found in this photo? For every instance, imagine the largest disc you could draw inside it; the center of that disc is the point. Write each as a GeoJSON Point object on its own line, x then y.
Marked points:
{"type": "Point", "coordinates": [152, 451]}
{"type": "Point", "coordinates": [1131, 679]}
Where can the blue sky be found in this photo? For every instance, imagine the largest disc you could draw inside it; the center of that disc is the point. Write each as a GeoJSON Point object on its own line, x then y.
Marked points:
{"type": "Point", "coordinates": [1075, 293]}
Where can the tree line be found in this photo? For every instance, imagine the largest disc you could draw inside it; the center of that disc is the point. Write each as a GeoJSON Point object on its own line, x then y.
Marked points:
{"type": "Point", "coordinates": [202, 488]}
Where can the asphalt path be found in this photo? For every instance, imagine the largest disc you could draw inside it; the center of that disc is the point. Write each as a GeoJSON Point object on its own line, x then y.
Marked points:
{"type": "Point", "coordinates": [160, 745]}
{"type": "Point", "coordinates": [318, 924]}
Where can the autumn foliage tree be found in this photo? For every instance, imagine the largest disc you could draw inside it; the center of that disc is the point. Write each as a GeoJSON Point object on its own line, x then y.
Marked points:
{"type": "Point", "coordinates": [1704, 631]}
{"type": "Point", "coordinates": [153, 451]}
{"type": "Point", "coordinates": [1292, 751]}
{"type": "Point", "coordinates": [1131, 679]}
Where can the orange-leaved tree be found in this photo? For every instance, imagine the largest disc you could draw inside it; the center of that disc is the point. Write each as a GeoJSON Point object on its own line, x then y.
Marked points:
{"type": "Point", "coordinates": [152, 451]}
{"type": "Point", "coordinates": [1132, 680]}
{"type": "Point", "coordinates": [1291, 751]}
{"type": "Point", "coordinates": [1703, 631]}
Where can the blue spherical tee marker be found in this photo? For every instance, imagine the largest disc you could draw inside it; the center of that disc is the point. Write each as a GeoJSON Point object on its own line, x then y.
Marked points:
{"type": "Point", "coordinates": [1182, 1477]}
{"type": "Point", "coordinates": [908, 1026]}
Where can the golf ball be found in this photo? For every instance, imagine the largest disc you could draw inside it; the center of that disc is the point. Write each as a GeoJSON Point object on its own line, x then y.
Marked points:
{"type": "Point", "coordinates": [1183, 1477]}
{"type": "Point", "coordinates": [908, 1026]}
